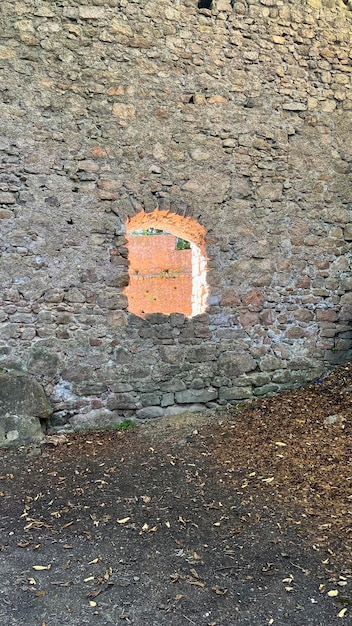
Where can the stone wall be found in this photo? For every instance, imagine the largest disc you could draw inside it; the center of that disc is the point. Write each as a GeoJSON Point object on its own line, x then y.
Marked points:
{"type": "Point", "coordinates": [239, 117]}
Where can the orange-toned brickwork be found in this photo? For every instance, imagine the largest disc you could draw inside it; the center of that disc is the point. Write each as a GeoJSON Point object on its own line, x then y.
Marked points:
{"type": "Point", "coordinates": [162, 278]}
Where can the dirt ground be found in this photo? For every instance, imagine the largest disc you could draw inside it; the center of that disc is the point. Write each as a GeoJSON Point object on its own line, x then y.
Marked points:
{"type": "Point", "coordinates": [239, 517]}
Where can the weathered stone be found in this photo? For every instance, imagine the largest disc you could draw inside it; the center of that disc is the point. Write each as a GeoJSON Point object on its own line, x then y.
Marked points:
{"type": "Point", "coordinates": [294, 106]}
{"type": "Point", "coordinates": [93, 420]}
{"type": "Point", "coordinates": [125, 112]}
{"type": "Point", "coordinates": [22, 405]}
{"type": "Point", "coordinates": [196, 395]}
{"type": "Point", "coordinates": [347, 232]}
{"type": "Point", "coordinates": [7, 198]}
{"type": "Point", "coordinates": [201, 354]}
{"type": "Point", "coordinates": [270, 362]}
{"type": "Point", "coordinates": [167, 399]}
{"type": "Point", "coordinates": [233, 365]}
{"type": "Point", "coordinates": [150, 412]}
{"type": "Point", "coordinates": [258, 379]}
{"type": "Point", "coordinates": [266, 390]}
{"type": "Point", "coordinates": [43, 362]}
{"type": "Point", "coordinates": [18, 430]}
{"type": "Point", "coordinates": [121, 401]}
{"type": "Point", "coordinates": [235, 393]}
{"type": "Point", "coordinates": [150, 399]}
{"type": "Point", "coordinates": [327, 315]}
{"type": "Point", "coordinates": [91, 13]}
{"type": "Point", "coordinates": [173, 385]}
{"type": "Point", "coordinates": [21, 394]}
{"type": "Point", "coordinates": [270, 191]}
{"type": "Point", "coordinates": [346, 307]}
{"type": "Point", "coordinates": [183, 411]}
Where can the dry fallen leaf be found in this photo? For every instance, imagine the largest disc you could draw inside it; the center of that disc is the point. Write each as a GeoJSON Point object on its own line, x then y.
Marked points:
{"type": "Point", "coordinates": [218, 590]}
{"type": "Point", "coordinates": [108, 573]}
{"type": "Point", "coordinates": [124, 520]}
{"type": "Point", "coordinates": [333, 593]}
{"type": "Point", "coordinates": [197, 583]}
{"type": "Point", "coordinates": [92, 603]}
{"type": "Point", "coordinates": [40, 568]}
{"type": "Point", "coordinates": [342, 613]}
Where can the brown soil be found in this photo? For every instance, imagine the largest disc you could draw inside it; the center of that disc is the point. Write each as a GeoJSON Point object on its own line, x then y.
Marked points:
{"type": "Point", "coordinates": [241, 517]}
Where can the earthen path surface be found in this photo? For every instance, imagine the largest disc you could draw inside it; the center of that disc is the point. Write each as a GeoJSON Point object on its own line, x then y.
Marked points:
{"type": "Point", "coordinates": [242, 517]}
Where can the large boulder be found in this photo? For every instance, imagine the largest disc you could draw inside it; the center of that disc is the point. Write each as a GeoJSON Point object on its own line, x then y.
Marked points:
{"type": "Point", "coordinates": [23, 405]}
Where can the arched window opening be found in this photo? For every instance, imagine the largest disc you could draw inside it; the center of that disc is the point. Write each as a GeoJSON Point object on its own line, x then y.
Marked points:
{"type": "Point", "coordinates": [167, 264]}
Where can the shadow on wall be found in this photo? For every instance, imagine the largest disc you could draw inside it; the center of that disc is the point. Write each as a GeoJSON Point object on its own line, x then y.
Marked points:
{"type": "Point", "coordinates": [162, 277]}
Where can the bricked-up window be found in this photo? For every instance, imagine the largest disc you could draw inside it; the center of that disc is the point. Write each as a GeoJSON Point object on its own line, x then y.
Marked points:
{"type": "Point", "coordinates": [167, 264]}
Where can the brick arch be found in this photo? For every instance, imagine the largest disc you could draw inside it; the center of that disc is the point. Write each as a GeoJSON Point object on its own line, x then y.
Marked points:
{"type": "Point", "coordinates": [152, 288]}
{"type": "Point", "coordinates": [184, 227]}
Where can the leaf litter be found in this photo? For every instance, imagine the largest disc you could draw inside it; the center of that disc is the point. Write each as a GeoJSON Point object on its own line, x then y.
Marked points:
{"type": "Point", "coordinates": [250, 509]}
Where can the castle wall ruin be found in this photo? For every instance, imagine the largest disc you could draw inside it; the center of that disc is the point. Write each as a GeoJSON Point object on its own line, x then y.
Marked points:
{"type": "Point", "coordinates": [236, 117]}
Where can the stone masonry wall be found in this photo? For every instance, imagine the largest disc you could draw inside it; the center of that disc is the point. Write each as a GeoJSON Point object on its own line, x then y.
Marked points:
{"type": "Point", "coordinates": [239, 117]}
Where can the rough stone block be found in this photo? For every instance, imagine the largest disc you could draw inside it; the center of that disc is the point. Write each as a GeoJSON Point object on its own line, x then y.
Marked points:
{"type": "Point", "coordinates": [347, 232]}
{"type": "Point", "coordinates": [91, 13]}
{"type": "Point", "coordinates": [167, 399]}
{"type": "Point", "coordinates": [93, 420]}
{"type": "Point", "coordinates": [125, 112]}
{"type": "Point", "coordinates": [235, 393]}
{"type": "Point", "coordinates": [196, 395]}
{"type": "Point", "coordinates": [150, 399]}
{"type": "Point", "coordinates": [271, 362]}
{"type": "Point", "coordinates": [43, 362]}
{"type": "Point", "coordinates": [326, 315]}
{"type": "Point", "coordinates": [266, 390]}
{"type": "Point", "coordinates": [7, 198]}
{"type": "Point", "coordinates": [233, 364]}
{"type": "Point", "coordinates": [21, 394]}
{"type": "Point", "coordinates": [201, 354]}
{"type": "Point", "coordinates": [16, 430]}
{"type": "Point", "coordinates": [150, 412]}
{"type": "Point", "coordinates": [22, 405]}
{"type": "Point", "coordinates": [183, 411]}
{"type": "Point", "coordinates": [173, 385]}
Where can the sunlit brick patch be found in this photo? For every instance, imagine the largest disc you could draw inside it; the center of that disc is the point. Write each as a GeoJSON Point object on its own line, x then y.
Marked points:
{"type": "Point", "coordinates": [167, 264]}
